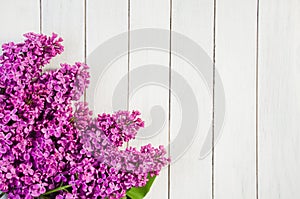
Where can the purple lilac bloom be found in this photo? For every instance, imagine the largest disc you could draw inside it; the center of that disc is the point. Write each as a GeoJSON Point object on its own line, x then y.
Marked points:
{"type": "Point", "coordinates": [121, 126]}
{"type": "Point", "coordinates": [45, 143]}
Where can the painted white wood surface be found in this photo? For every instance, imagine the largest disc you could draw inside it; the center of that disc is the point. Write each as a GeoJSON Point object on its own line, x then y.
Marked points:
{"type": "Point", "coordinates": [191, 177]}
{"type": "Point", "coordinates": [235, 62]}
{"type": "Point", "coordinates": [65, 18]}
{"type": "Point", "coordinates": [106, 19]}
{"type": "Point", "coordinates": [17, 18]}
{"type": "Point", "coordinates": [152, 14]}
{"type": "Point", "coordinates": [234, 155]}
{"type": "Point", "coordinates": [279, 102]}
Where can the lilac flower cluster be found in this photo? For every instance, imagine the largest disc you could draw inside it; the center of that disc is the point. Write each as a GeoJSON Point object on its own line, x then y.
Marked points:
{"type": "Point", "coordinates": [119, 169]}
{"type": "Point", "coordinates": [121, 126]}
{"type": "Point", "coordinates": [50, 149]}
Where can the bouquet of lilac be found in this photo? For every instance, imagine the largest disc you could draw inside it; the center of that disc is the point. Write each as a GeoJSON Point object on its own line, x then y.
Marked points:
{"type": "Point", "coordinates": [51, 147]}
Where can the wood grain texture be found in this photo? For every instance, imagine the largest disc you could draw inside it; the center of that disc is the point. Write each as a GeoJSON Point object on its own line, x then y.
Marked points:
{"type": "Point", "coordinates": [235, 62]}
{"type": "Point", "coordinates": [144, 86]}
{"type": "Point", "coordinates": [279, 109]}
{"type": "Point", "coordinates": [190, 175]}
{"type": "Point", "coordinates": [105, 20]}
{"type": "Point", "coordinates": [65, 18]}
{"type": "Point", "coordinates": [18, 17]}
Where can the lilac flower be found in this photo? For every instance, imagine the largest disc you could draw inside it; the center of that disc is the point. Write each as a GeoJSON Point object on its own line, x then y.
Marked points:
{"type": "Point", "coordinates": [121, 126]}
{"type": "Point", "coordinates": [37, 189]}
{"type": "Point", "coordinates": [10, 115]}
{"type": "Point", "coordinates": [46, 145]}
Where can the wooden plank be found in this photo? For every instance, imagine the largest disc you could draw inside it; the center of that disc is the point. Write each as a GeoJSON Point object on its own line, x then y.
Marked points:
{"type": "Point", "coordinates": [278, 105]}
{"type": "Point", "coordinates": [65, 18]}
{"type": "Point", "coordinates": [148, 87]}
{"type": "Point", "coordinates": [18, 17]}
{"type": "Point", "coordinates": [107, 48]}
{"type": "Point", "coordinates": [191, 105]}
{"type": "Point", "coordinates": [235, 62]}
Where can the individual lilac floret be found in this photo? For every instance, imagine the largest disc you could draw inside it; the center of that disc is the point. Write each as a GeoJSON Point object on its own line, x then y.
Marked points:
{"type": "Point", "coordinates": [121, 126]}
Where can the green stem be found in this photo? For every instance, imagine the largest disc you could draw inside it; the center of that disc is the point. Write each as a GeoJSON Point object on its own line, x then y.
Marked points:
{"type": "Point", "coordinates": [2, 194]}
{"type": "Point", "coordinates": [56, 190]}
{"type": "Point", "coordinates": [66, 190]}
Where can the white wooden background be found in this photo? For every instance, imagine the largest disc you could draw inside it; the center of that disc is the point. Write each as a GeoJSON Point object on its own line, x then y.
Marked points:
{"type": "Point", "coordinates": [255, 45]}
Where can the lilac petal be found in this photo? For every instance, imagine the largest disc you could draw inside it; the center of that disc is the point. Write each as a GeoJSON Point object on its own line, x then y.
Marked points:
{"type": "Point", "coordinates": [3, 150]}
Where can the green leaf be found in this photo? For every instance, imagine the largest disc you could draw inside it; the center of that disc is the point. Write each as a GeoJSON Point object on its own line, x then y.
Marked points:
{"type": "Point", "coordinates": [140, 192]}
{"type": "Point", "coordinates": [56, 190]}
{"type": "Point", "coordinates": [2, 194]}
